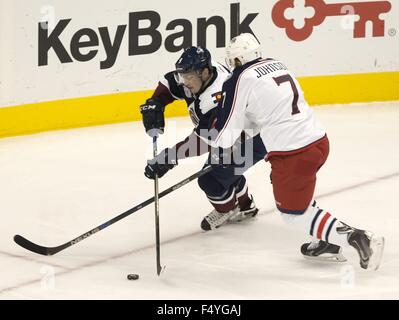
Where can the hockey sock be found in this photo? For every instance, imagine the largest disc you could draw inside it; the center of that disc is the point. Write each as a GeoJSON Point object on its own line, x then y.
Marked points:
{"type": "Point", "coordinates": [224, 203]}
{"type": "Point", "coordinates": [319, 224]}
{"type": "Point", "coordinates": [242, 195]}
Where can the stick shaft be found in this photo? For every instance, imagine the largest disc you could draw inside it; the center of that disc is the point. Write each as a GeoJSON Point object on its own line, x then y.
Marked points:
{"type": "Point", "coordinates": [156, 203]}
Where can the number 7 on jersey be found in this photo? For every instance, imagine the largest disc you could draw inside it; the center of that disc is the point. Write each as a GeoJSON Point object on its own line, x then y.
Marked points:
{"type": "Point", "coordinates": [287, 78]}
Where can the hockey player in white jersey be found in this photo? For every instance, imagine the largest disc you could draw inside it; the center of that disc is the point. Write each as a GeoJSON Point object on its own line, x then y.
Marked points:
{"type": "Point", "coordinates": [199, 81]}
{"type": "Point", "coordinates": [262, 95]}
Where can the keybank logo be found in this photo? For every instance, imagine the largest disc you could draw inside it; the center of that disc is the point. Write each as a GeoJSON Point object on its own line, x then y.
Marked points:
{"type": "Point", "coordinates": [365, 11]}
{"type": "Point", "coordinates": [52, 40]}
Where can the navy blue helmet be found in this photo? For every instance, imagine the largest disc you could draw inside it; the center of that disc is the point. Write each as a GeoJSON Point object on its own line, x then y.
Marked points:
{"type": "Point", "coordinates": [194, 59]}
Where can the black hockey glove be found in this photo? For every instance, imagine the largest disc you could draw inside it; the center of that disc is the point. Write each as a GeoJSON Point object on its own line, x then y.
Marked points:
{"type": "Point", "coordinates": [161, 164]}
{"type": "Point", "coordinates": [153, 117]}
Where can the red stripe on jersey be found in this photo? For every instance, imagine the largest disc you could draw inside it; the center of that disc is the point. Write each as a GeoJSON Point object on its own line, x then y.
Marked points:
{"type": "Point", "coordinates": [213, 125]}
{"type": "Point", "coordinates": [322, 224]}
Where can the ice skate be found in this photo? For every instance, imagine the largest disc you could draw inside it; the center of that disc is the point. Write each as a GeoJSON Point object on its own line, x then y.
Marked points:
{"type": "Point", "coordinates": [368, 246]}
{"type": "Point", "coordinates": [216, 219]}
{"type": "Point", "coordinates": [322, 251]}
{"type": "Point", "coordinates": [246, 213]}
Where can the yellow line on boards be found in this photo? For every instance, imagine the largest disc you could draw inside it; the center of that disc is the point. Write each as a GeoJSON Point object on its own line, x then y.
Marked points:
{"type": "Point", "coordinates": [122, 107]}
{"type": "Point", "coordinates": [349, 88]}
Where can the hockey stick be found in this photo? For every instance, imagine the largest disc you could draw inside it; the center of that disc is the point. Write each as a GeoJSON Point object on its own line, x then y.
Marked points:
{"type": "Point", "coordinates": [156, 202]}
{"type": "Point", "coordinates": [49, 251]}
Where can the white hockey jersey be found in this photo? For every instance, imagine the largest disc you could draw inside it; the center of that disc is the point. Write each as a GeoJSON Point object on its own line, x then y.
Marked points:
{"type": "Point", "coordinates": [263, 96]}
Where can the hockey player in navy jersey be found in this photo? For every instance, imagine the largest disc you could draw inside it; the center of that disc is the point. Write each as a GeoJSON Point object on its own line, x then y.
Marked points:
{"type": "Point", "coordinates": [198, 81]}
{"type": "Point", "coordinates": [263, 95]}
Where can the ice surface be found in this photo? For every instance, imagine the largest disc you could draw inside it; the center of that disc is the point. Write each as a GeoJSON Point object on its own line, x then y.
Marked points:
{"type": "Point", "coordinates": [56, 185]}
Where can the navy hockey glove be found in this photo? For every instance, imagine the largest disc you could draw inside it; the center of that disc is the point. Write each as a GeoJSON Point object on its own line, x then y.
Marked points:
{"type": "Point", "coordinates": [153, 117]}
{"type": "Point", "coordinates": [161, 164]}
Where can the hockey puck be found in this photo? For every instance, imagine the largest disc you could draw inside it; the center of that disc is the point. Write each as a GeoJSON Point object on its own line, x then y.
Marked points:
{"type": "Point", "coordinates": [132, 276]}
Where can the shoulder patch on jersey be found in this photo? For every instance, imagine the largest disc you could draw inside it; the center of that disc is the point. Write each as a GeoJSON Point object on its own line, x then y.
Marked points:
{"type": "Point", "coordinates": [217, 96]}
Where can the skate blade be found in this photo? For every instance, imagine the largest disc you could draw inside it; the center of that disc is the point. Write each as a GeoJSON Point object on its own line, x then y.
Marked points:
{"type": "Point", "coordinates": [377, 247]}
{"type": "Point", "coordinates": [330, 258]}
{"type": "Point", "coordinates": [333, 258]}
{"type": "Point", "coordinates": [239, 217]}
{"type": "Point", "coordinates": [218, 226]}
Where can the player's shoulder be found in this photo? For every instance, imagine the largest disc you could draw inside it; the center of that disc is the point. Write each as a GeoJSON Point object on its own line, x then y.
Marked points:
{"type": "Point", "coordinates": [258, 63]}
{"type": "Point", "coordinates": [240, 75]}
{"type": "Point", "coordinates": [170, 76]}
{"type": "Point", "coordinates": [220, 75]}
{"type": "Point", "coordinates": [241, 72]}
{"type": "Point", "coordinates": [260, 68]}
{"type": "Point", "coordinates": [220, 68]}
{"type": "Point", "coordinates": [222, 72]}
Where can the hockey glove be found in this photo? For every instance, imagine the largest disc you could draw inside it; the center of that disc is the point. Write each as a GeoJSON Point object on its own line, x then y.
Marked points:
{"type": "Point", "coordinates": [161, 164]}
{"type": "Point", "coordinates": [153, 117]}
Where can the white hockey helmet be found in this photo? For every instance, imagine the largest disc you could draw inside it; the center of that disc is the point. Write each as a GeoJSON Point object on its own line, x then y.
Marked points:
{"type": "Point", "coordinates": [245, 47]}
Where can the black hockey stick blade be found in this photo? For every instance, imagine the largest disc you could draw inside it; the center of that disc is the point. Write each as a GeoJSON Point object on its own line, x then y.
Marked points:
{"type": "Point", "coordinates": [28, 245]}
